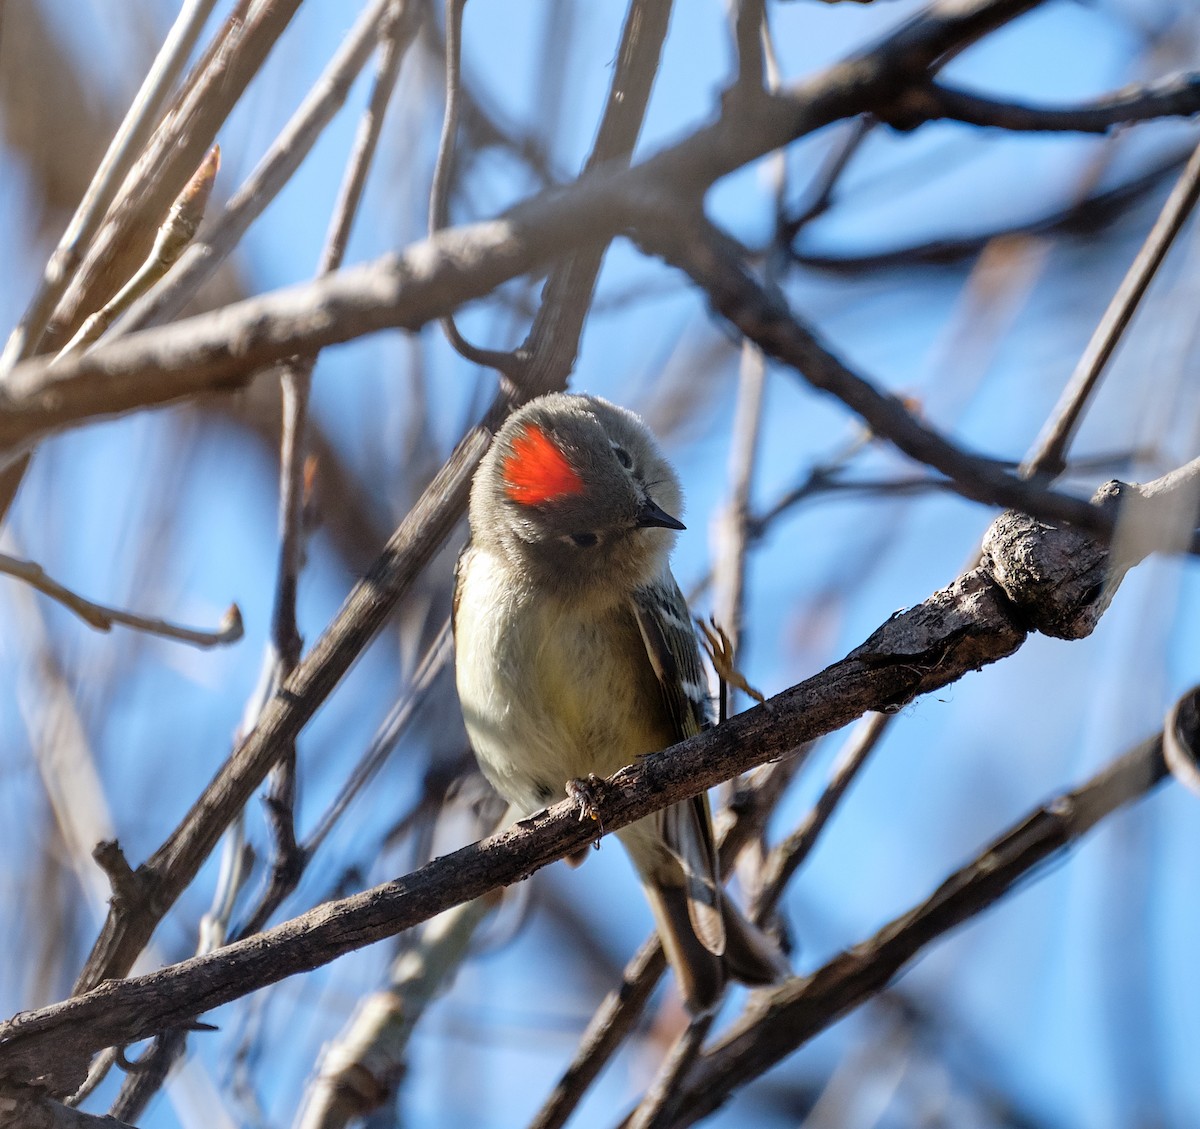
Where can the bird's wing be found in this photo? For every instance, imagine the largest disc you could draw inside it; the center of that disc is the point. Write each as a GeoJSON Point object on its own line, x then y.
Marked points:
{"type": "Point", "coordinates": [666, 629]}
{"type": "Point", "coordinates": [460, 566]}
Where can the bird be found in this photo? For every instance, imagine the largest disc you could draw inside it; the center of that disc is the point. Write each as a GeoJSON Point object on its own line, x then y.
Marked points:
{"type": "Point", "coordinates": [575, 655]}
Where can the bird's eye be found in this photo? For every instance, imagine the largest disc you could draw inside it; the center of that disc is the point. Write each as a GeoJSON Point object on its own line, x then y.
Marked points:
{"type": "Point", "coordinates": [584, 540]}
{"type": "Point", "coordinates": [623, 456]}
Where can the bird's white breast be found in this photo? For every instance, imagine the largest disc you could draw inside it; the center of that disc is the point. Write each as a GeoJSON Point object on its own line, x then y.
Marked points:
{"type": "Point", "coordinates": [549, 691]}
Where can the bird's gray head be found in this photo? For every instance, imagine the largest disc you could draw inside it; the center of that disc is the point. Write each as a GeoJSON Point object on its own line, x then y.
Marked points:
{"type": "Point", "coordinates": [575, 493]}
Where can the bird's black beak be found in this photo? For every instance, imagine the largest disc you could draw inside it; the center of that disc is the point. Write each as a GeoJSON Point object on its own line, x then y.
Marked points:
{"type": "Point", "coordinates": [652, 516]}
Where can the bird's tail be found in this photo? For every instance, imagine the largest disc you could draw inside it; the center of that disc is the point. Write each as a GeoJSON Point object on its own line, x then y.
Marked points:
{"type": "Point", "coordinates": [748, 956]}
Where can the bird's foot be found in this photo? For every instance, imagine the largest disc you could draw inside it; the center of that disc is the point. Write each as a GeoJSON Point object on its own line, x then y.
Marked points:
{"type": "Point", "coordinates": [587, 793]}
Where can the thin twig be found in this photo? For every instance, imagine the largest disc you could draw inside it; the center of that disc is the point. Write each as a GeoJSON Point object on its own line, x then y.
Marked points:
{"type": "Point", "coordinates": [443, 178]}
{"type": "Point", "coordinates": [395, 33]}
{"type": "Point", "coordinates": [485, 131]}
{"type": "Point", "coordinates": [820, 193]}
{"type": "Point", "coordinates": [237, 53]}
{"type": "Point", "coordinates": [174, 235]}
{"type": "Point", "coordinates": [731, 529]}
{"type": "Point", "coordinates": [104, 618]}
{"type": "Point", "coordinates": [1175, 96]}
{"type": "Point", "coordinates": [787, 856]}
{"type": "Point", "coordinates": [1049, 455]}
{"type": "Point", "coordinates": [1081, 217]}
{"type": "Point", "coordinates": [609, 1026]}
{"type": "Point", "coordinates": [436, 660]}
{"type": "Point", "coordinates": [657, 1108]}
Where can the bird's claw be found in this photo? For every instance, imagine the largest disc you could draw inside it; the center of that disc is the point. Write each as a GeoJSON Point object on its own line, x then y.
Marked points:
{"type": "Point", "coordinates": [587, 792]}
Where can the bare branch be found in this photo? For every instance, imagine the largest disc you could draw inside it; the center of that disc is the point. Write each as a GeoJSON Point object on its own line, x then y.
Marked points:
{"type": "Point", "coordinates": [731, 529]}
{"type": "Point", "coordinates": [717, 265]}
{"type": "Point", "coordinates": [749, 18]}
{"type": "Point", "coordinates": [959, 629]}
{"type": "Point", "coordinates": [789, 855]}
{"type": "Point", "coordinates": [658, 1107]}
{"type": "Point", "coordinates": [443, 177]}
{"type": "Point", "coordinates": [613, 1021]}
{"type": "Point", "coordinates": [1049, 455]}
{"type": "Point", "coordinates": [165, 165]}
{"type": "Point", "coordinates": [27, 1110]}
{"type": "Point", "coordinates": [359, 1071]}
{"type": "Point", "coordinates": [173, 154]}
{"type": "Point", "coordinates": [103, 618]}
{"type": "Point", "coordinates": [1085, 216]}
{"type": "Point", "coordinates": [174, 234]}
{"type": "Point", "coordinates": [785, 1018]}
{"type": "Point", "coordinates": [276, 167]}
{"type": "Point", "coordinates": [1177, 96]}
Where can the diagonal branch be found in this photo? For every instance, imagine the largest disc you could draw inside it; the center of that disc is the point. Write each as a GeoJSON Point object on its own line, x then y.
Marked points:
{"type": "Point", "coordinates": [1083, 217]}
{"type": "Point", "coordinates": [1177, 96]}
{"type": "Point", "coordinates": [1049, 456]}
{"type": "Point", "coordinates": [962, 627]}
{"type": "Point", "coordinates": [787, 1017]}
{"type": "Point", "coordinates": [104, 618]}
{"type": "Point", "coordinates": [715, 263]}
{"type": "Point", "coordinates": [123, 150]}
{"type": "Point", "coordinates": [957, 630]}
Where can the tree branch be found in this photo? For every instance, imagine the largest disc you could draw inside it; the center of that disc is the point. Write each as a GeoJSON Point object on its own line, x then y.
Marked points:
{"type": "Point", "coordinates": [222, 349]}
{"type": "Point", "coordinates": [29, 1111]}
{"type": "Point", "coordinates": [787, 1017]}
{"type": "Point", "coordinates": [958, 629]}
{"type": "Point", "coordinates": [1049, 455]}
{"type": "Point", "coordinates": [104, 618]}
{"type": "Point", "coordinates": [1177, 96]}
{"type": "Point", "coordinates": [1083, 217]}
{"type": "Point", "coordinates": [715, 263]}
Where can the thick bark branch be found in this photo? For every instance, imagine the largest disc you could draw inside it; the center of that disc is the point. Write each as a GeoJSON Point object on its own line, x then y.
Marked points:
{"type": "Point", "coordinates": [29, 1111]}
{"type": "Point", "coordinates": [961, 628]}
{"type": "Point", "coordinates": [956, 630]}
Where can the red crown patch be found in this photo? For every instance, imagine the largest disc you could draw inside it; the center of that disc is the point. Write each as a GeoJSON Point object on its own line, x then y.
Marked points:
{"type": "Point", "coordinates": [537, 470]}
